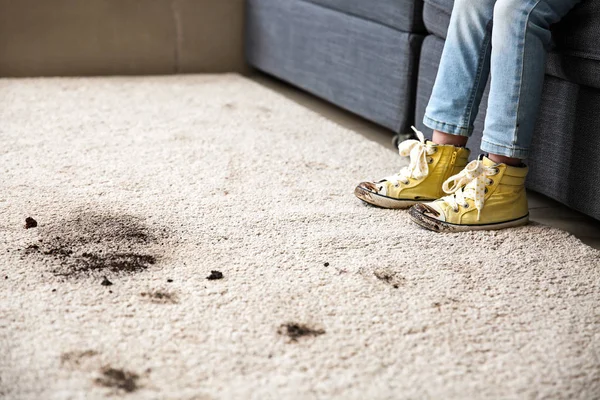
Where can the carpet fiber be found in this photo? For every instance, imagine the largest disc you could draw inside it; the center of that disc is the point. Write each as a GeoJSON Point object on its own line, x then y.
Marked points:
{"type": "Point", "coordinates": [151, 183]}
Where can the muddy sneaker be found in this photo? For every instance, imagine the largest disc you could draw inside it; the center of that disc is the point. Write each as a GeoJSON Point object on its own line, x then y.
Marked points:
{"type": "Point", "coordinates": [430, 165]}
{"type": "Point", "coordinates": [485, 195]}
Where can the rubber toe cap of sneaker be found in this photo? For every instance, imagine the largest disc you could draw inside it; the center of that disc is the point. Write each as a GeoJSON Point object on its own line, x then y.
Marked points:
{"type": "Point", "coordinates": [372, 188]}
{"type": "Point", "coordinates": [431, 210]}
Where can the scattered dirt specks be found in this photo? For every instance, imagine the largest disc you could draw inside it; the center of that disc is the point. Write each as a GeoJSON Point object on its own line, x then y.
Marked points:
{"type": "Point", "coordinates": [326, 264]}
{"type": "Point", "coordinates": [117, 262]}
{"type": "Point", "coordinates": [416, 330]}
{"type": "Point", "coordinates": [30, 223]}
{"type": "Point", "coordinates": [118, 379]}
{"type": "Point", "coordinates": [296, 331]}
{"type": "Point", "coordinates": [32, 248]}
{"type": "Point", "coordinates": [446, 302]}
{"type": "Point", "coordinates": [214, 275]}
{"type": "Point", "coordinates": [90, 244]}
{"type": "Point", "coordinates": [106, 282]}
{"type": "Point", "coordinates": [160, 297]}
{"type": "Point", "coordinates": [76, 358]}
{"type": "Point", "coordinates": [390, 277]}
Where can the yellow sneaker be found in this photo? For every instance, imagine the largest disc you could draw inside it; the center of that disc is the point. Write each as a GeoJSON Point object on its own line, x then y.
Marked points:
{"type": "Point", "coordinates": [430, 165]}
{"type": "Point", "coordinates": [485, 195]}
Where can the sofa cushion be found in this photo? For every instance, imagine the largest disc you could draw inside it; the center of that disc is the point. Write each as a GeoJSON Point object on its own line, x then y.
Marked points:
{"type": "Point", "coordinates": [362, 66]}
{"type": "Point", "coordinates": [404, 15]}
{"type": "Point", "coordinates": [576, 56]}
{"type": "Point", "coordinates": [436, 16]}
{"type": "Point", "coordinates": [578, 33]}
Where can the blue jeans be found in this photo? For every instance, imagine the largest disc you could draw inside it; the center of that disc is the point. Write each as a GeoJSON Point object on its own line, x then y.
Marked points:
{"type": "Point", "coordinates": [507, 39]}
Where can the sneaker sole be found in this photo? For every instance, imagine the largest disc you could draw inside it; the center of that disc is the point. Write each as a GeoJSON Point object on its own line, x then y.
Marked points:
{"type": "Point", "coordinates": [384, 201]}
{"type": "Point", "coordinates": [435, 225]}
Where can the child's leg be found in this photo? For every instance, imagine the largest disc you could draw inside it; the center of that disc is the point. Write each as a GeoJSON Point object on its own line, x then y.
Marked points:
{"type": "Point", "coordinates": [463, 72]}
{"type": "Point", "coordinates": [459, 86]}
{"type": "Point", "coordinates": [490, 193]}
{"type": "Point", "coordinates": [520, 40]}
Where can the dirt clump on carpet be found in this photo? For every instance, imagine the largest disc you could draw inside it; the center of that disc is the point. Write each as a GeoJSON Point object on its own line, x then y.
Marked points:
{"type": "Point", "coordinates": [106, 282]}
{"type": "Point", "coordinates": [295, 331]}
{"type": "Point", "coordinates": [118, 379]}
{"type": "Point", "coordinates": [215, 275]}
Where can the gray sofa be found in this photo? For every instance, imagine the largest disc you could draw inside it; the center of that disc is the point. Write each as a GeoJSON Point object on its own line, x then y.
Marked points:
{"type": "Point", "coordinates": [361, 57]}
{"type": "Point", "coordinates": [380, 59]}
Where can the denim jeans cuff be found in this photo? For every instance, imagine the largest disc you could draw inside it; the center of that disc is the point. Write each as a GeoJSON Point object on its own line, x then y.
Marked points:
{"type": "Point", "coordinates": [502, 150]}
{"type": "Point", "coordinates": [445, 127]}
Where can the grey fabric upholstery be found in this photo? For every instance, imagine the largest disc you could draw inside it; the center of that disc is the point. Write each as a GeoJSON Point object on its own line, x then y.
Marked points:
{"type": "Point", "coordinates": [576, 56]}
{"type": "Point", "coordinates": [362, 66]}
{"type": "Point", "coordinates": [578, 33]}
{"type": "Point", "coordinates": [581, 70]}
{"type": "Point", "coordinates": [436, 16]}
{"type": "Point", "coordinates": [404, 15]}
{"type": "Point", "coordinates": [564, 161]}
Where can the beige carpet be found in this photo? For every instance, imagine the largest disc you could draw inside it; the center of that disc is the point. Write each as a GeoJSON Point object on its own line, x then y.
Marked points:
{"type": "Point", "coordinates": [155, 182]}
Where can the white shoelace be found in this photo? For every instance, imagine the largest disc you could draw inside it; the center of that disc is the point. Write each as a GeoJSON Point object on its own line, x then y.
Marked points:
{"type": "Point", "coordinates": [470, 183]}
{"type": "Point", "coordinates": [418, 168]}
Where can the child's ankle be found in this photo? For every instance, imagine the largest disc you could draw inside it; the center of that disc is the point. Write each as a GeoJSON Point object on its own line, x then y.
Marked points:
{"type": "Point", "coordinates": [499, 159]}
{"type": "Point", "coordinates": [448, 139]}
